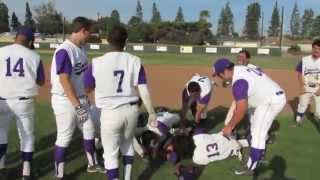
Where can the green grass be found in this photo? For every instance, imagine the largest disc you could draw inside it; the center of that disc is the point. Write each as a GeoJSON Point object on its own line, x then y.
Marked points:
{"type": "Point", "coordinates": [295, 155]}
{"type": "Point", "coordinates": [284, 62]}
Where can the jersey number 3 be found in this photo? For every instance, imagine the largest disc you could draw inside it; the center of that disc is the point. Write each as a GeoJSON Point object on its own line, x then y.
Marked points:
{"type": "Point", "coordinates": [213, 150]}
{"type": "Point", "coordinates": [119, 75]}
{"type": "Point", "coordinates": [17, 68]}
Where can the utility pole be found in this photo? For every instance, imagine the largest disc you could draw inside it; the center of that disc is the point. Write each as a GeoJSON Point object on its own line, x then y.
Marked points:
{"type": "Point", "coordinates": [261, 34]}
{"type": "Point", "coordinates": [281, 31]}
{"type": "Point", "coordinates": [63, 29]}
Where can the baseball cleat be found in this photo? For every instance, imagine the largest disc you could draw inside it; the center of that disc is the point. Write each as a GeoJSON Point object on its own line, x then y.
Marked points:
{"type": "Point", "coordinates": [96, 168]}
{"type": "Point", "coordinates": [244, 171]}
{"type": "Point", "coordinates": [26, 178]}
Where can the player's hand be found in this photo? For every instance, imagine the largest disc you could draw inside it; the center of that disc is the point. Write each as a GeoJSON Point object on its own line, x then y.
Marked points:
{"type": "Point", "coordinates": [82, 113]}
{"type": "Point", "coordinates": [152, 120]}
{"type": "Point", "coordinates": [227, 131]}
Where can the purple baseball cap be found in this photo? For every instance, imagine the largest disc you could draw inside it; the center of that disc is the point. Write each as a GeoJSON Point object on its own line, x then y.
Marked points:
{"type": "Point", "coordinates": [221, 64]}
{"type": "Point", "coordinates": [26, 32]}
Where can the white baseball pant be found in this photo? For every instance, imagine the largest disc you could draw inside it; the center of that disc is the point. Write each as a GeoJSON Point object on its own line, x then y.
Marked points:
{"type": "Point", "coordinates": [304, 101]}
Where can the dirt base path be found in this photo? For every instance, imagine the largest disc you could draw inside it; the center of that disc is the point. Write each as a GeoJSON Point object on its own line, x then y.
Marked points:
{"type": "Point", "coordinates": [166, 83]}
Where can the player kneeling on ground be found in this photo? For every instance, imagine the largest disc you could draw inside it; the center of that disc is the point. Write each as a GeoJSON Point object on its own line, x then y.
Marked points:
{"type": "Point", "coordinates": [251, 88]}
{"type": "Point", "coordinates": [196, 96]}
{"type": "Point", "coordinates": [117, 78]}
{"type": "Point", "coordinates": [22, 73]}
{"type": "Point", "coordinates": [309, 77]}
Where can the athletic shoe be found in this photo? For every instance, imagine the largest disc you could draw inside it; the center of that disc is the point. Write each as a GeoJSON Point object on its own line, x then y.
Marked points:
{"type": "Point", "coordinates": [96, 168]}
{"type": "Point", "coordinates": [244, 171]}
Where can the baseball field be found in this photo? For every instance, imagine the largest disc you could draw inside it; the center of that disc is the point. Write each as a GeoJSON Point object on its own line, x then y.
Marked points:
{"type": "Point", "coordinates": [294, 155]}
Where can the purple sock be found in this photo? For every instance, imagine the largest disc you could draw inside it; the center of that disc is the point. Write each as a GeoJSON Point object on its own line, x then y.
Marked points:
{"type": "Point", "coordinates": [128, 160]}
{"type": "Point", "coordinates": [300, 114]}
{"type": "Point", "coordinates": [3, 149]}
{"type": "Point", "coordinates": [59, 154]}
{"type": "Point", "coordinates": [112, 174]}
{"type": "Point", "coordinates": [27, 156]}
{"type": "Point", "coordinates": [89, 147]}
{"type": "Point", "coordinates": [255, 157]}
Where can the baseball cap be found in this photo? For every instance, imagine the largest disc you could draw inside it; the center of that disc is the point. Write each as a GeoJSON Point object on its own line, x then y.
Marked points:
{"type": "Point", "coordinates": [221, 64]}
{"type": "Point", "coordinates": [26, 32]}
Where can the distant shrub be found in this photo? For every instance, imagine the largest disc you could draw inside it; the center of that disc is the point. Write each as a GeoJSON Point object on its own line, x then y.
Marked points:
{"type": "Point", "coordinates": [294, 49]}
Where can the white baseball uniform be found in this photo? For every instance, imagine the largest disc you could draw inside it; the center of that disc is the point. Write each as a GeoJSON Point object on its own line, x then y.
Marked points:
{"type": "Point", "coordinates": [72, 60]}
{"type": "Point", "coordinates": [206, 90]}
{"type": "Point", "coordinates": [214, 147]}
{"type": "Point", "coordinates": [310, 71]}
{"type": "Point", "coordinates": [116, 76]}
{"type": "Point", "coordinates": [21, 69]}
{"type": "Point", "coordinates": [266, 97]}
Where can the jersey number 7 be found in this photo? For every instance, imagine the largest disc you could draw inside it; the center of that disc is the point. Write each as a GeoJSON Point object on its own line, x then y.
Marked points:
{"type": "Point", "coordinates": [17, 68]}
{"type": "Point", "coordinates": [119, 74]}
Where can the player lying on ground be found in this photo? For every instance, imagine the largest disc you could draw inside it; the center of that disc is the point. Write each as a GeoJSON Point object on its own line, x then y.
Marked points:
{"type": "Point", "coordinates": [196, 97]}
{"type": "Point", "coordinates": [251, 88]}
{"type": "Point", "coordinates": [118, 78]}
{"type": "Point", "coordinates": [21, 74]}
{"type": "Point", "coordinates": [164, 120]}
{"type": "Point", "coordinates": [69, 101]}
{"type": "Point", "coordinates": [309, 78]}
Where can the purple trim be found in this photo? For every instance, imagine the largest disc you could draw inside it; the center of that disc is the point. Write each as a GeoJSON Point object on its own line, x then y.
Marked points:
{"type": "Point", "coordinates": [89, 81]}
{"type": "Point", "coordinates": [63, 62]}
{"type": "Point", "coordinates": [3, 149]}
{"type": "Point", "coordinates": [128, 160]}
{"type": "Point", "coordinates": [40, 73]}
{"type": "Point", "coordinates": [300, 114]}
{"type": "Point", "coordinates": [240, 89]}
{"type": "Point", "coordinates": [59, 154]}
{"type": "Point", "coordinates": [299, 67]}
{"type": "Point", "coordinates": [198, 131]}
{"type": "Point", "coordinates": [256, 154]}
{"type": "Point", "coordinates": [205, 99]}
{"type": "Point", "coordinates": [173, 157]}
{"type": "Point", "coordinates": [27, 156]}
{"type": "Point", "coordinates": [187, 175]}
{"type": "Point", "coordinates": [162, 127]}
{"type": "Point", "coordinates": [89, 146]}
{"type": "Point", "coordinates": [142, 79]}
{"type": "Point", "coordinates": [113, 174]}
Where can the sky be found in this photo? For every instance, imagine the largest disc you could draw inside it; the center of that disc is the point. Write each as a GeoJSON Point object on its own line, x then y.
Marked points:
{"type": "Point", "coordinates": [168, 9]}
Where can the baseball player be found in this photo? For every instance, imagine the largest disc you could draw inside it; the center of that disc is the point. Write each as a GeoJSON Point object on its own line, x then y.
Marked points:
{"type": "Point", "coordinates": [117, 78]}
{"type": "Point", "coordinates": [196, 96]}
{"type": "Point", "coordinates": [251, 88]}
{"type": "Point", "coordinates": [69, 100]}
{"type": "Point", "coordinates": [309, 77]}
{"type": "Point", "coordinates": [21, 74]}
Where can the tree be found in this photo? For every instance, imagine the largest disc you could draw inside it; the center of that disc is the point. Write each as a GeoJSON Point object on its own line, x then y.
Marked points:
{"type": "Point", "coordinates": [204, 16]}
{"type": "Point", "coordinates": [28, 17]}
{"type": "Point", "coordinates": [115, 16]}
{"type": "Point", "coordinates": [15, 24]}
{"type": "Point", "coordinates": [49, 20]}
{"type": "Point", "coordinates": [139, 13]}
{"type": "Point", "coordinates": [307, 21]}
{"type": "Point", "coordinates": [156, 17]}
{"type": "Point", "coordinates": [4, 18]}
{"type": "Point", "coordinates": [225, 23]}
{"type": "Point", "coordinates": [316, 26]}
{"type": "Point", "coordinates": [274, 28]}
{"type": "Point", "coordinates": [179, 18]}
{"type": "Point", "coordinates": [295, 22]}
{"type": "Point", "coordinates": [251, 29]}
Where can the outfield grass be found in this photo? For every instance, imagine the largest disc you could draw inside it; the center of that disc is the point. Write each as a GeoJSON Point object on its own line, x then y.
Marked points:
{"type": "Point", "coordinates": [295, 155]}
{"type": "Point", "coordinates": [284, 62]}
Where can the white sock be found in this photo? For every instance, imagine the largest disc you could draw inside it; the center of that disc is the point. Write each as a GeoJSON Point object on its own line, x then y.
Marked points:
{"type": "Point", "coordinates": [26, 168]}
{"type": "Point", "coordinates": [127, 171]}
{"type": "Point", "coordinates": [2, 162]}
{"type": "Point", "coordinates": [59, 170]}
{"type": "Point", "coordinates": [91, 160]}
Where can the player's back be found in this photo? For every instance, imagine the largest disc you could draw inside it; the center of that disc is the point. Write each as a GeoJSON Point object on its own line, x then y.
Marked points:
{"type": "Point", "coordinates": [260, 86]}
{"type": "Point", "coordinates": [116, 77]}
{"type": "Point", "coordinates": [18, 71]}
{"type": "Point", "coordinates": [169, 119]}
{"type": "Point", "coordinates": [204, 82]}
{"type": "Point", "coordinates": [212, 147]}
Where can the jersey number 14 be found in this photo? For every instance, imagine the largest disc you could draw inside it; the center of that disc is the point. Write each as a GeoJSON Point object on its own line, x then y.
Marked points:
{"type": "Point", "coordinates": [17, 68]}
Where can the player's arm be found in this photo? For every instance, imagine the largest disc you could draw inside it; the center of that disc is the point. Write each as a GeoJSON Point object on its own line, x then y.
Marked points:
{"type": "Point", "coordinates": [64, 70]}
{"type": "Point", "coordinates": [184, 108]}
{"type": "Point", "coordinates": [201, 107]}
{"type": "Point", "coordinates": [145, 94]}
{"type": "Point", "coordinates": [240, 93]}
{"type": "Point", "coordinates": [89, 80]}
{"type": "Point", "coordinates": [40, 74]}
